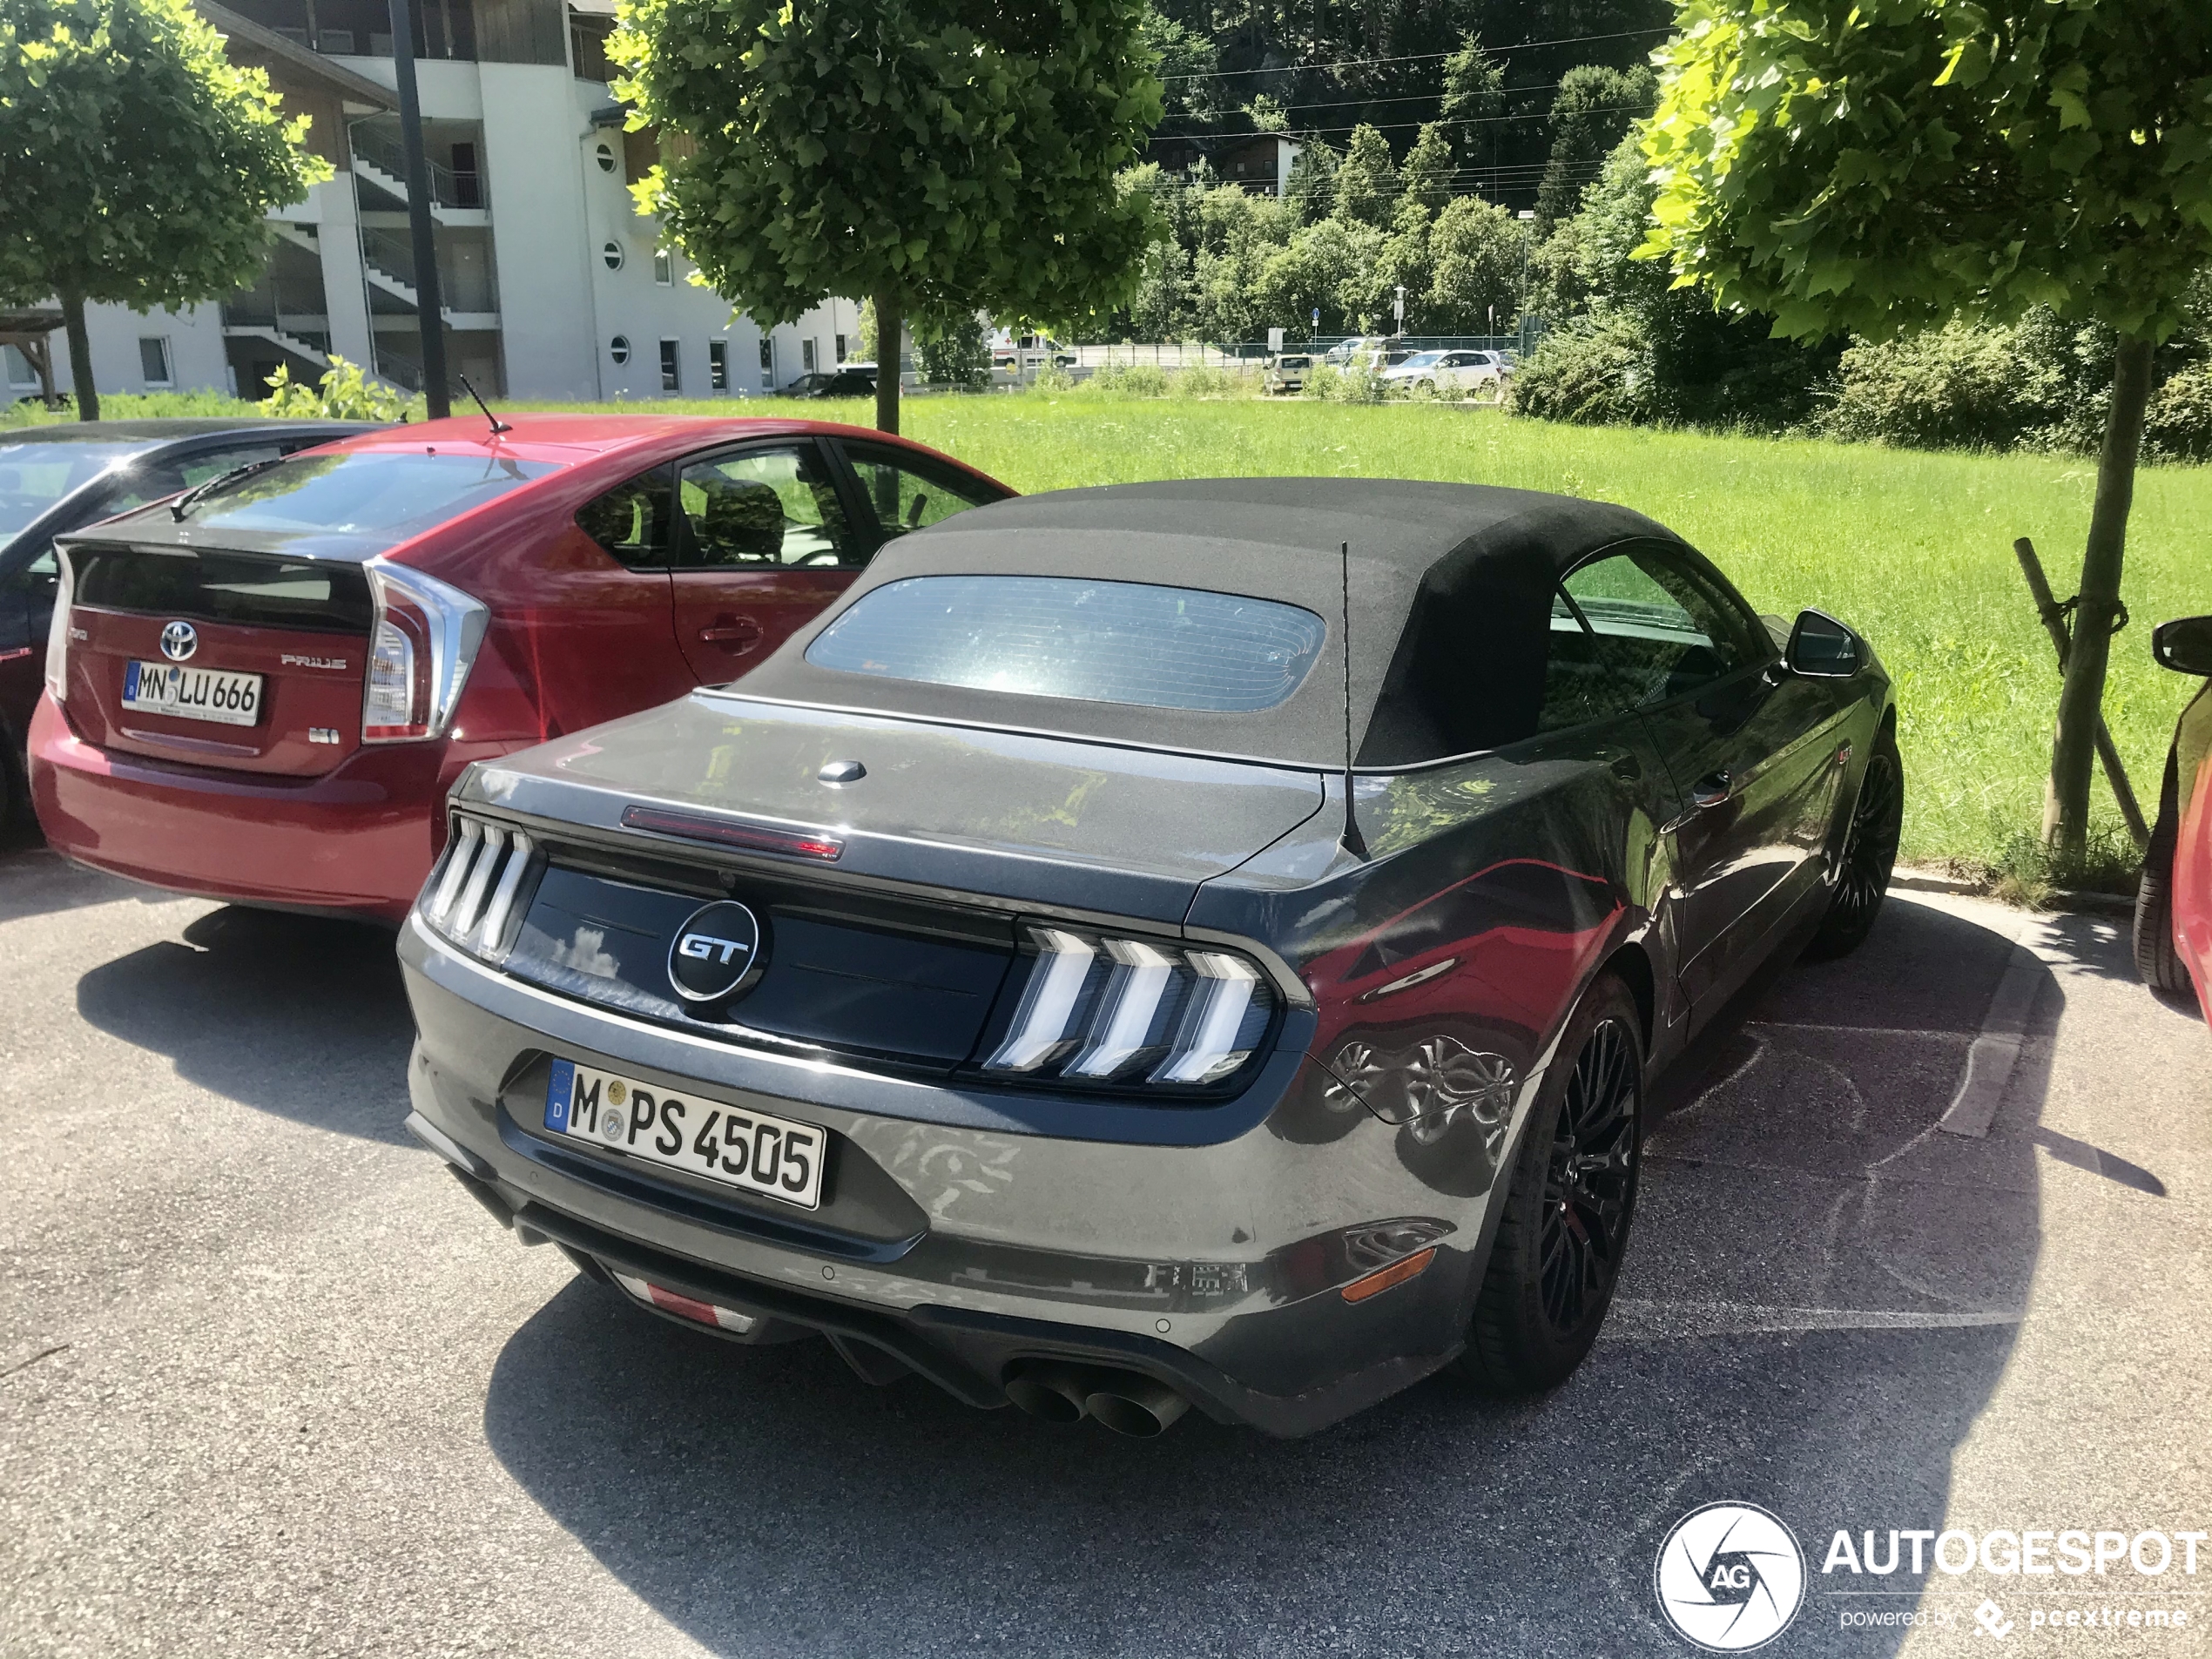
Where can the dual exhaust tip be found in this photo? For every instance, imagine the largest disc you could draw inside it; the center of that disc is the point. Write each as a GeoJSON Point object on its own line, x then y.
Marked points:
{"type": "Point", "coordinates": [1125, 1401]}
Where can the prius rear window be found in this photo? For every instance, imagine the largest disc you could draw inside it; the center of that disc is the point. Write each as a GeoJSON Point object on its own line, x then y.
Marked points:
{"type": "Point", "coordinates": [362, 492]}
{"type": "Point", "coordinates": [1097, 642]}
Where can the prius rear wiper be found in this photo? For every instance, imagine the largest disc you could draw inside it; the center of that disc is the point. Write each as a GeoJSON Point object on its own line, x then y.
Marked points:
{"type": "Point", "coordinates": [179, 506]}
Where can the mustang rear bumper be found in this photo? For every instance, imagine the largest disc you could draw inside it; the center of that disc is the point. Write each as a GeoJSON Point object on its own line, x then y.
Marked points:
{"type": "Point", "coordinates": [959, 1247]}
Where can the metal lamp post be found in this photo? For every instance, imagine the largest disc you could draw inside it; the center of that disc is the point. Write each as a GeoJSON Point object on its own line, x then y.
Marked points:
{"type": "Point", "coordinates": [429, 308]}
{"type": "Point", "coordinates": [1527, 235]}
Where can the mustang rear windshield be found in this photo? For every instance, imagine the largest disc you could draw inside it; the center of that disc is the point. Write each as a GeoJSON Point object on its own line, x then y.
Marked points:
{"type": "Point", "coordinates": [361, 492]}
{"type": "Point", "coordinates": [1098, 642]}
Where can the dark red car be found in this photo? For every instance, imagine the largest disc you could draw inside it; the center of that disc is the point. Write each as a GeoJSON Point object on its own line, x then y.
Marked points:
{"type": "Point", "coordinates": [2174, 901]}
{"type": "Point", "coordinates": [261, 690]}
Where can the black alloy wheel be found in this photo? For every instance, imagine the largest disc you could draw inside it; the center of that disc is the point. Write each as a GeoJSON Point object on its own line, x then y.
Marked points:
{"type": "Point", "coordinates": [1565, 1225]}
{"type": "Point", "coordinates": [1870, 853]}
{"type": "Point", "coordinates": [1590, 1181]}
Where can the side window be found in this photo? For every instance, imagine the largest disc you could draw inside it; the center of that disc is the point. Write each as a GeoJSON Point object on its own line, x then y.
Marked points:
{"type": "Point", "coordinates": [631, 520]}
{"type": "Point", "coordinates": [762, 507]}
{"type": "Point", "coordinates": [1635, 628]}
{"type": "Point", "coordinates": [148, 482]}
{"type": "Point", "coordinates": [906, 497]}
{"type": "Point", "coordinates": [213, 463]}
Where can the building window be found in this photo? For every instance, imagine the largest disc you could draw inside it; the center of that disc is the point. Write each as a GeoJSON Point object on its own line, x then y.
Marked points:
{"type": "Point", "coordinates": [841, 349]}
{"type": "Point", "coordinates": [153, 361]}
{"type": "Point", "coordinates": [718, 365]}
{"type": "Point", "coordinates": [618, 348]}
{"type": "Point", "coordinates": [604, 155]}
{"type": "Point", "coordinates": [806, 357]}
{"type": "Point", "coordinates": [672, 378]}
{"type": "Point", "coordinates": [612, 254]}
{"type": "Point", "coordinates": [767, 358]}
{"type": "Point", "coordinates": [338, 42]}
{"type": "Point", "coordinates": [663, 267]}
{"type": "Point", "coordinates": [20, 372]}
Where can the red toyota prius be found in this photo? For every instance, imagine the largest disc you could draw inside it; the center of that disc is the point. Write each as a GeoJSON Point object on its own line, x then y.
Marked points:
{"type": "Point", "coordinates": [260, 690]}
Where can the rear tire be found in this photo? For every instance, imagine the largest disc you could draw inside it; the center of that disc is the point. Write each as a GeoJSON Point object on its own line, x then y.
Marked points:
{"type": "Point", "coordinates": [15, 812]}
{"type": "Point", "coordinates": [1559, 1245]}
{"type": "Point", "coordinates": [1869, 855]}
{"type": "Point", "coordinates": [2157, 963]}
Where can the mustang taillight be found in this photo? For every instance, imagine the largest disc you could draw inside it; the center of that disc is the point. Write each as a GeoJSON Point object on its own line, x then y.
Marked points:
{"type": "Point", "coordinates": [1098, 1008]}
{"type": "Point", "coordinates": [422, 645]}
{"type": "Point", "coordinates": [471, 896]}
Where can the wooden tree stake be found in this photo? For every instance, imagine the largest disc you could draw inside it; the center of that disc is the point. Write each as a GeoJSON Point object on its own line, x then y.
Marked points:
{"type": "Point", "coordinates": [2053, 617]}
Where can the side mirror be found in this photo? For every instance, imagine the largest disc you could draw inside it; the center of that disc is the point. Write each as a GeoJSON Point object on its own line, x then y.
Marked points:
{"type": "Point", "coordinates": [1822, 648]}
{"type": "Point", "coordinates": [2184, 645]}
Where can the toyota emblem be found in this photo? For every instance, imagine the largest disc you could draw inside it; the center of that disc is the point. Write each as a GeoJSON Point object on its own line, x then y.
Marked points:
{"type": "Point", "coordinates": [716, 953]}
{"type": "Point", "coordinates": [179, 641]}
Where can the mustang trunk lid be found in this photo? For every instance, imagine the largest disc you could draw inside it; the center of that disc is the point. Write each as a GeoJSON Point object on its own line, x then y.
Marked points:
{"type": "Point", "coordinates": [1002, 816]}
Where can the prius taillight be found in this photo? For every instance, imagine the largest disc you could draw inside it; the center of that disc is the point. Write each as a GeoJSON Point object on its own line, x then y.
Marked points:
{"type": "Point", "coordinates": [422, 642]}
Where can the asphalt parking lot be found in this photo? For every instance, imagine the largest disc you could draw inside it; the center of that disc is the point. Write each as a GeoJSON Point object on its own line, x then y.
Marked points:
{"type": "Point", "coordinates": [271, 1383]}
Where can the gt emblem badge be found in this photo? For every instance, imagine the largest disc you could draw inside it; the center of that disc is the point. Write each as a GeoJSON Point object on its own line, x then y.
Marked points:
{"type": "Point", "coordinates": [179, 641]}
{"type": "Point", "coordinates": [716, 953]}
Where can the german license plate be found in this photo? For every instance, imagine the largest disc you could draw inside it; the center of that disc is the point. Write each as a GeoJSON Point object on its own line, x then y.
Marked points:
{"type": "Point", "coordinates": [750, 1150]}
{"type": "Point", "coordinates": [192, 693]}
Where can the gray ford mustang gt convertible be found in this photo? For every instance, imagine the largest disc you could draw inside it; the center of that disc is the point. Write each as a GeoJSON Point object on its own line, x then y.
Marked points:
{"type": "Point", "coordinates": [1199, 943]}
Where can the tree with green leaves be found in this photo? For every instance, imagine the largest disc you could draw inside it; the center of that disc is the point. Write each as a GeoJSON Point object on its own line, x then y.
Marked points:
{"type": "Point", "coordinates": [1425, 174]}
{"type": "Point", "coordinates": [1311, 190]}
{"type": "Point", "coordinates": [1475, 252]}
{"type": "Point", "coordinates": [137, 164]}
{"type": "Point", "coordinates": [938, 159]}
{"type": "Point", "coordinates": [1872, 168]}
{"type": "Point", "coordinates": [1593, 108]}
{"type": "Point", "coordinates": [1366, 182]}
{"type": "Point", "coordinates": [1473, 106]}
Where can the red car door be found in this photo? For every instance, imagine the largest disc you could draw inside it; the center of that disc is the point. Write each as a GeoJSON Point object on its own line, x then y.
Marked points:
{"type": "Point", "coordinates": [764, 540]}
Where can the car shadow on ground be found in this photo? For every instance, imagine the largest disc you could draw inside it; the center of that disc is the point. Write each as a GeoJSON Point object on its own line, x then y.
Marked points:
{"type": "Point", "coordinates": [1823, 1293]}
{"type": "Point", "coordinates": [294, 1015]}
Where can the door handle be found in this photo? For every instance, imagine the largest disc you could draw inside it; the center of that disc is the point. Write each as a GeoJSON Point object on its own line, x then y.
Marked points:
{"type": "Point", "coordinates": [1714, 789]}
{"type": "Point", "coordinates": [737, 632]}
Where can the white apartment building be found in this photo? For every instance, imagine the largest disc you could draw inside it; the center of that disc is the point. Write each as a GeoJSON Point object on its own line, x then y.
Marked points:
{"type": "Point", "coordinates": [553, 287]}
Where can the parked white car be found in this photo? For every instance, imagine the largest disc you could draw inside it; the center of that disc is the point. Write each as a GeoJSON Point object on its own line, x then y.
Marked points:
{"type": "Point", "coordinates": [1457, 372]}
{"type": "Point", "coordinates": [1288, 372]}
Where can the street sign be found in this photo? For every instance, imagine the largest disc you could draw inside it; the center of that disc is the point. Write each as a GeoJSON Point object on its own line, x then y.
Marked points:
{"type": "Point", "coordinates": [1275, 340]}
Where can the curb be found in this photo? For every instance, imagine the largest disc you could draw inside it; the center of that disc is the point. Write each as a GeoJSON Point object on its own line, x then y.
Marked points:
{"type": "Point", "coordinates": [2058, 899]}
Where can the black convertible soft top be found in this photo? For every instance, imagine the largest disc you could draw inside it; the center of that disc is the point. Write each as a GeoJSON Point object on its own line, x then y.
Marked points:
{"type": "Point", "coordinates": [1451, 589]}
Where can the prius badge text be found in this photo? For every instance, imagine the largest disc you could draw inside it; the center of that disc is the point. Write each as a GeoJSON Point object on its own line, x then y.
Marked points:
{"type": "Point", "coordinates": [715, 954]}
{"type": "Point", "coordinates": [179, 641]}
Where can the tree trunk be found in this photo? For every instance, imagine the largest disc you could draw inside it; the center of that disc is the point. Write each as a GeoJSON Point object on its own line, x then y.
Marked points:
{"type": "Point", "coordinates": [80, 358]}
{"type": "Point", "coordinates": [890, 323]}
{"type": "Point", "coordinates": [2065, 808]}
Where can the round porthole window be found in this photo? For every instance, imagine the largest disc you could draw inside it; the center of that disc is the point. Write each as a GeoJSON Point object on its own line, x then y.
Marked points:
{"type": "Point", "coordinates": [612, 254]}
{"type": "Point", "coordinates": [618, 348]}
{"type": "Point", "coordinates": [606, 158]}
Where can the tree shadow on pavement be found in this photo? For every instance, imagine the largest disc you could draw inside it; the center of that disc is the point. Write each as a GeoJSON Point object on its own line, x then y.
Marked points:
{"type": "Point", "coordinates": [1819, 1300]}
{"type": "Point", "coordinates": [294, 1016]}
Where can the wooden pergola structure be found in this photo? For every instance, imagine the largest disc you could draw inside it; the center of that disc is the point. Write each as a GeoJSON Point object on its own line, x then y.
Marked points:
{"type": "Point", "coordinates": [27, 332]}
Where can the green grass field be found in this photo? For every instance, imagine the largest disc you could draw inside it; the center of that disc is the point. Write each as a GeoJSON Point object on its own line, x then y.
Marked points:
{"type": "Point", "coordinates": [1913, 549]}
